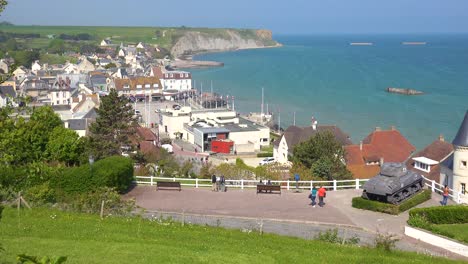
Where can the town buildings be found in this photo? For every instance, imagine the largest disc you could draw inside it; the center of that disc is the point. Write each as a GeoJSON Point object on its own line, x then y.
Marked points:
{"type": "Point", "coordinates": [364, 159]}
{"type": "Point", "coordinates": [283, 148]}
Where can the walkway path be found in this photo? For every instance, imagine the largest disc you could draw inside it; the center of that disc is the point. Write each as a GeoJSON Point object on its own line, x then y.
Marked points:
{"type": "Point", "coordinates": [278, 210]}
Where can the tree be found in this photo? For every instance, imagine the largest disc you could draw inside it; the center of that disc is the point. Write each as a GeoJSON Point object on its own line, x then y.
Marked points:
{"type": "Point", "coordinates": [65, 146]}
{"type": "Point", "coordinates": [56, 46]}
{"type": "Point", "coordinates": [112, 127]}
{"type": "Point", "coordinates": [11, 45]}
{"type": "Point", "coordinates": [3, 4]}
{"type": "Point", "coordinates": [25, 57]}
{"type": "Point", "coordinates": [323, 155]}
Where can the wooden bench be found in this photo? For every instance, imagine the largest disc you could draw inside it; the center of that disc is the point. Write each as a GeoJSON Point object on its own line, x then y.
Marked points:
{"type": "Point", "coordinates": [167, 185]}
{"type": "Point", "coordinates": [268, 189]}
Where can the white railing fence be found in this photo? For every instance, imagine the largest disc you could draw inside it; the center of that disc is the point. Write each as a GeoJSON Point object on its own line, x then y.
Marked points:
{"type": "Point", "coordinates": [288, 185]}
{"type": "Point", "coordinates": [244, 184]}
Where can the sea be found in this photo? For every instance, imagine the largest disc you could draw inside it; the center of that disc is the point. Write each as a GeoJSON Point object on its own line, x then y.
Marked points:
{"type": "Point", "coordinates": [325, 77]}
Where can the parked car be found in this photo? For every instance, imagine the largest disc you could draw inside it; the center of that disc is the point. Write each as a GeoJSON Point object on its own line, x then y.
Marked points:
{"type": "Point", "coordinates": [176, 107]}
{"type": "Point", "coordinates": [266, 161]}
{"type": "Point", "coordinates": [138, 112]}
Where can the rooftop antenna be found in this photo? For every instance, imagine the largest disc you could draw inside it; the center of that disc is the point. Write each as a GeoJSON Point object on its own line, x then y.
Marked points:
{"type": "Point", "coordinates": [201, 88]}
{"type": "Point", "coordinates": [211, 96]}
{"type": "Point", "coordinates": [294, 120]}
{"type": "Point", "coordinates": [279, 121]}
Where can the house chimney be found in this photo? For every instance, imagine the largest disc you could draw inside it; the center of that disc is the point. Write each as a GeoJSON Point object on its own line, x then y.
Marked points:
{"type": "Point", "coordinates": [377, 129]}
{"type": "Point", "coordinates": [314, 123]}
{"type": "Point", "coordinates": [360, 145]}
{"type": "Point", "coordinates": [441, 138]}
{"type": "Point", "coordinates": [381, 161]}
{"type": "Point", "coordinates": [393, 128]}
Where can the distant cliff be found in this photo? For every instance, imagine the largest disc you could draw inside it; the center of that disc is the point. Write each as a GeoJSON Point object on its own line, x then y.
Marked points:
{"type": "Point", "coordinates": [194, 41]}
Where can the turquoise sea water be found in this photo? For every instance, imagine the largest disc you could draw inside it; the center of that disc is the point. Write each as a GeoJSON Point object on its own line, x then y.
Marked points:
{"type": "Point", "coordinates": [325, 77]}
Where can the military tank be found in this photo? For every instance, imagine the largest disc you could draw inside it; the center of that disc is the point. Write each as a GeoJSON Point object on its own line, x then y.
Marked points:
{"type": "Point", "coordinates": [393, 184]}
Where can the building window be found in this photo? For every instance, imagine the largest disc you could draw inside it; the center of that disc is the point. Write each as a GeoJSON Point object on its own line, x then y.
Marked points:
{"type": "Point", "coordinates": [463, 188]}
{"type": "Point", "coordinates": [172, 75]}
{"type": "Point", "coordinates": [57, 94]}
{"type": "Point", "coordinates": [155, 85]}
{"type": "Point", "coordinates": [422, 166]}
{"type": "Point", "coordinates": [126, 86]}
{"type": "Point", "coordinates": [463, 164]}
{"type": "Point", "coordinates": [147, 85]}
{"type": "Point", "coordinates": [139, 86]}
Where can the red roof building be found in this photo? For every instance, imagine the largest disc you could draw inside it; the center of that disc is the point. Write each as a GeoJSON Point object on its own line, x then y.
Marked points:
{"type": "Point", "coordinates": [380, 146]}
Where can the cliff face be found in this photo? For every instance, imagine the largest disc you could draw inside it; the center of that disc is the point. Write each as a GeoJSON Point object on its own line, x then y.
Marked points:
{"type": "Point", "coordinates": [193, 41]}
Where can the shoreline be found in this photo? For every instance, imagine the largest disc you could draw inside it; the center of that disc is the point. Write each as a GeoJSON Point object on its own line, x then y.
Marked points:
{"type": "Point", "coordinates": [187, 62]}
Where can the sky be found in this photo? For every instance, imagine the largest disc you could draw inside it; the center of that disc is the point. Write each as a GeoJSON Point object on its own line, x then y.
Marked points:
{"type": "Point", "coordinates": [282, 17]}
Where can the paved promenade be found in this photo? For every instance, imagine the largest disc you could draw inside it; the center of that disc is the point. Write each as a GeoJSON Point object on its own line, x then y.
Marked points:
{"type": "Point", "coordinates": [287, 214]}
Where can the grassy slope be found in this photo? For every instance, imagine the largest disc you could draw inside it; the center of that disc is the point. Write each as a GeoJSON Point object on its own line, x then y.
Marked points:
{"type": "Point", "coordinates": [86, 239]}
{"type": "Point", "coordinates": [459, 231]}
{"type": "Point", "coordinates": [123, 34]}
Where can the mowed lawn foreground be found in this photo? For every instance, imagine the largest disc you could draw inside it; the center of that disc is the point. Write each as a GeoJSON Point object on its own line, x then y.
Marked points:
{"type": "Point", "coordinates": [85, 238]}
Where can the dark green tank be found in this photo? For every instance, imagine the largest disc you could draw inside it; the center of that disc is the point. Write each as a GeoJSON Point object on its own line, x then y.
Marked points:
{"type": "Point", "coordinates": [394, 184]}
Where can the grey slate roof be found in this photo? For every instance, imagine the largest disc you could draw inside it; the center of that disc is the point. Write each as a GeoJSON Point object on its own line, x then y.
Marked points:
{"type": "Point", "coordinates": [462, 136]}
{"type": "Point", "coordinates": [7, 91]}
{"type": "Point", "coordinates": [295, 135]}
{"type": "Point", "coordinates": [77, 124]}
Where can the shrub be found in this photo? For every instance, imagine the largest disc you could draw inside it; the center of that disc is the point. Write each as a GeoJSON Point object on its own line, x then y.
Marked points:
{"type": "Point", "coordinates": [453, 214]}
{"type": "Point", "coordinates": [331, 236]}
{"type": "Point", "coordinates": [90, 202]}
{"type": "Point", "coordinates": [361, 203]}
{"type": "Point", "coordinates": [40, 194]}
{"type": "Point", "coordinates": [114, 172]}
{"type": "Point", "coordinates": [385, 242]}
{"type": "Point", "coordinates": [265, 155]}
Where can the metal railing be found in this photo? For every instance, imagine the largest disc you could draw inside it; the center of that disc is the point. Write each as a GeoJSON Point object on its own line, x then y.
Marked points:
{"type": "Point", "coordinates": [334, 185]}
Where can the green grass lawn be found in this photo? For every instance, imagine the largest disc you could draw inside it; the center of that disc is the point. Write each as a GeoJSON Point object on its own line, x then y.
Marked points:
{"type": "Point", "coordinates": [87, 239]}
{"type": "Point", "coordinates": [458, 231]}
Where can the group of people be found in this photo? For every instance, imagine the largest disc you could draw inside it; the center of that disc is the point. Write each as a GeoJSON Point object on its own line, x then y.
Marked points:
{"type": "Point", "coordinates": [321, 193]}
{"type": "Point", "coordinates": [219, 183]}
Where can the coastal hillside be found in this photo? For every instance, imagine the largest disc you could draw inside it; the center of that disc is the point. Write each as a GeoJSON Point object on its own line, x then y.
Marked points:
{"type": "Point", "coordinates": [177, 40]}
{"type": "Point", "coordinates": [195, 41]}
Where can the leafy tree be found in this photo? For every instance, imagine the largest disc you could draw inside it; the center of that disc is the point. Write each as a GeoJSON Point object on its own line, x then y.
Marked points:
{"type": "Point", "coordinates": [3, 4]}
{"type": "Point", "coordinates": [25, 57]}
{"type": "Point", "coordinates": [65, 146]}
{"type": "Point", "coordinates": [323, 155]}
{"type": "Point", "coordinates": [112, 126]}
{"type": "Point", "coordinates": [56, 46]}
{"type": "Point", "coordinates": [11, 45]}
{"type": "Point", "coordinates": [25, 259]}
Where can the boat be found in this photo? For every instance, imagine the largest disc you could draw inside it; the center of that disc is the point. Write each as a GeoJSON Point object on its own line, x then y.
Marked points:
{"type": "Point", "coordinates": [404, 91]}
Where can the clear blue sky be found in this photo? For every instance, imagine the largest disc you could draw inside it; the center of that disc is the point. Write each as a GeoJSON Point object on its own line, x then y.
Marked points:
{"type": "Point", "coordinates": [290, 16]}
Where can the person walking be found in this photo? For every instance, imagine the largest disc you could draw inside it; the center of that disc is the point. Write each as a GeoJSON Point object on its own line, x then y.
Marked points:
{"type": "Point", "coordinates": [213, 182]}
{"type": "Point", "coordinates": [445, 195]}
{"type": "Point", "coordinates": [322, 193]}
{"type": "Point", "coordinates": [222, 182]}
{"type": "Point", "coordinates": [313, 196]}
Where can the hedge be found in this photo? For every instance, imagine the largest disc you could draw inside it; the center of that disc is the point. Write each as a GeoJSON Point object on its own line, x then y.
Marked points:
{"type": "Point", "coordinates": [265, 155]}
{"type": "Point", "coordinates": [452, 214]}
{"type": "Point", "coordinates": [114, 172]}
{"type": "Point", "coordinates": [361, 203]}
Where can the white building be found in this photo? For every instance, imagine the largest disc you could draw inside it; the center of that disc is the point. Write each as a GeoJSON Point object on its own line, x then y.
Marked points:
{"type": "Point", "coordinates": [36, 67]}
{"type": "Point", "coordinates": [455, 168]}
{"type": "Point", "coordinates": [202, 127]}
{"type": "Point", "coordinates": [173, 80]}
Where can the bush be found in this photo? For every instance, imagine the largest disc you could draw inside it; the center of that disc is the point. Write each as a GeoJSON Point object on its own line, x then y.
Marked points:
{"type": "Point", "coordinates": [113, 172]}
{"type": "Point", "coordinates": [90, 202]}
{"type": "Point", "coordinates": [361, 203]}
{"type": "Point", "coordinates": [453, 214]}
{"type": "Point", "coordinates": [331, 236]}
{"type": "Point", "coordinates": [385, 242]}
{"type": "Point", "coordinates": [40, 194]}
{"type": "Point", "coordinates": [265, 155]}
